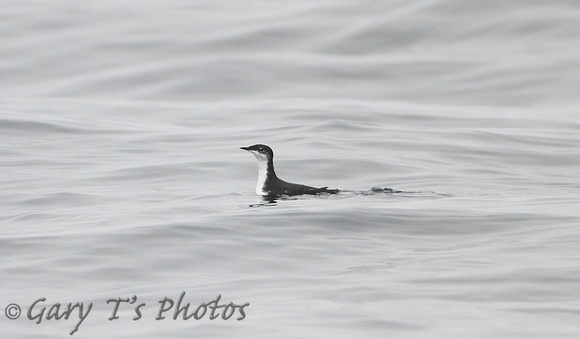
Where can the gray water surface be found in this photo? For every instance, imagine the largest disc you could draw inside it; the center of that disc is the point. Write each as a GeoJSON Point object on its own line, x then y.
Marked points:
{"type": "Point", "coordinates": [121, 173]}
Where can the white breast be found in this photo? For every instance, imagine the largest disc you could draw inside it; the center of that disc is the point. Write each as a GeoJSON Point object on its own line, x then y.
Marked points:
{"type": "Point", "coordinates": [262, 173]}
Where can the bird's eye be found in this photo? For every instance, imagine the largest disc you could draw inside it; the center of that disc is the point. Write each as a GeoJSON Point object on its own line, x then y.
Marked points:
{"type": "Point", "coordinates": [261, 150]}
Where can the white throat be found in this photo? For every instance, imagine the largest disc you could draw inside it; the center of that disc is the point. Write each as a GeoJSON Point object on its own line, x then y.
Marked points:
{"type": "Point", "coordinates": [262, 172]}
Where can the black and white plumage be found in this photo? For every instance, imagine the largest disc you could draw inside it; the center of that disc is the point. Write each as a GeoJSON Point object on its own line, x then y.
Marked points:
{"type": "Point", "coordinates": [269, 185]}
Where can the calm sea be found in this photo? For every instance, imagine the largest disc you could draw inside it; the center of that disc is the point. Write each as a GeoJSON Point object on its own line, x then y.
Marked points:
{"type": "Point", "coordinates": [127, 209]}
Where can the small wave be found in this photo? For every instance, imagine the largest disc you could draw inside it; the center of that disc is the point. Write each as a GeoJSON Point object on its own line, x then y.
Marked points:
{"type": "Point", "coordinates": [375, 191]}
